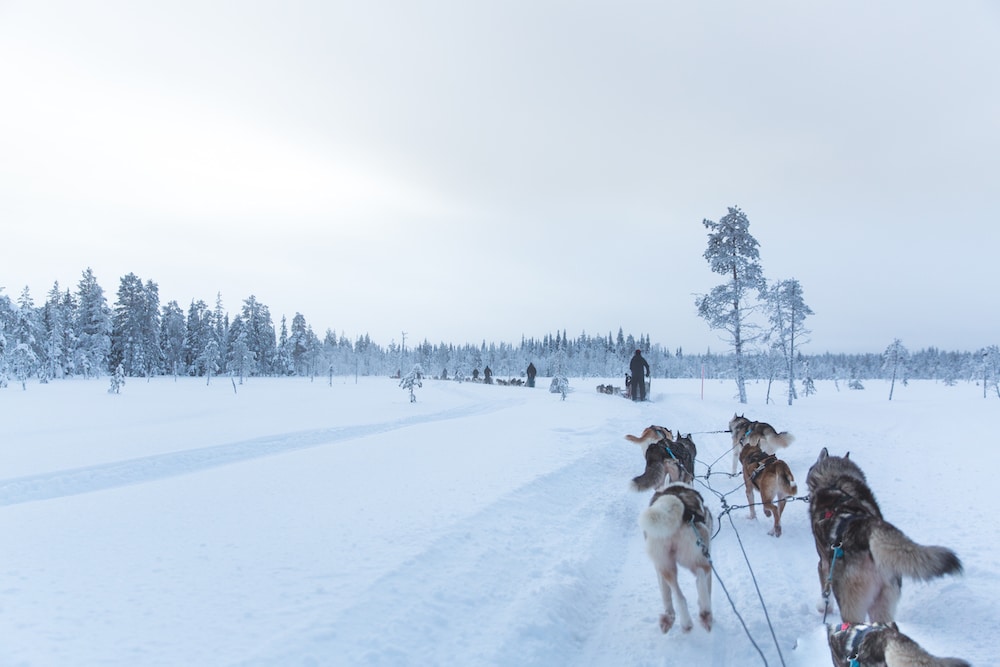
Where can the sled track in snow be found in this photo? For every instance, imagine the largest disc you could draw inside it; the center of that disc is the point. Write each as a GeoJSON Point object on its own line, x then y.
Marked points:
{"type": "Point", "coordinates": [523, 581]}
{"type": "Point", "coordinates": [77, 481]}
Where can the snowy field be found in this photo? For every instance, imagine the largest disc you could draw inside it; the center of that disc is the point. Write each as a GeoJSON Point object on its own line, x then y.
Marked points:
{"type": "Point", "coordinates": [298, 523]}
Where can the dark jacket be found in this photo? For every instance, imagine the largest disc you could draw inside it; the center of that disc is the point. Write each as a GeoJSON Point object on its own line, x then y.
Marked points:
{"type": "Point", "coordinates": [638, 366]}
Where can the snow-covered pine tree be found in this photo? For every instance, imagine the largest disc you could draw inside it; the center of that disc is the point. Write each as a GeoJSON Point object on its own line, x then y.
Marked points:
{"type": "Point", "coordinates": [299, 345]}
{"type": "Point", "coordinates": [198, 331]}
{"type": "Point", "coordinates": [412, 380]}
{"type": "Point", "coordinates": [6, 324]}
{"type": "Point", "coordinates": [733, 252]}
{"type": "Point", "coordinates": [787, 311]}
{"type": "Point", "coordinates": [991, 369]}
{"type": "Point", "coordinates": [560, 383]}
{"type": "Point", "coordinates": [24, 361]}
{"type": "Point", "coordinates": [135, 329]}
{"type": "Point", "coordinates": [220, 320]}
{"type": "Point", "coordinates": [173, 328]}
{"type": "Point", "coordinates": [208, 360]}
{"type": "Point", "coordinates": [894, 363]}
{"type": "Point", "coordinates": [93, 327]}
{"type": "Point", "coordinates": [28, 327]}
{"type": "Point", "coordinates": [241, 358]}
{"type": "Point", "coordinates": [57, 326]}
{"type": "Point", "coordinates": [117, 380]}
{"type": "Point", "coordinates": [261, 338]}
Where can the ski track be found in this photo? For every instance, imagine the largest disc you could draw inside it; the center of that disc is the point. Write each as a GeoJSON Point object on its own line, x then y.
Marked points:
{"type": "Point", "coordinates": [75, 481]}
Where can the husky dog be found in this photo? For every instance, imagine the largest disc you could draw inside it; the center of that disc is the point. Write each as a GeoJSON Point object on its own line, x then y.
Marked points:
{"type": "Point", "coordinates": [879, 645]}
{"type": "Point", "coordinates": [747, 432]}
{"type": "Point", "coordinates": [773, 480]}
{"type": "Point", "coordinates": [667, 459]}
{"type": "Point", "coordinates": [677, 528]}
{"type": "Point", "coordinates": [862, 556]}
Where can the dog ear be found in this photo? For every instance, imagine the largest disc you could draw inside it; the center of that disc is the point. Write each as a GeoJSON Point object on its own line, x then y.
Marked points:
{"type": "Point", "coordinates": [823, 454]}
{"type": "Point", "coordinates": [847, 455]}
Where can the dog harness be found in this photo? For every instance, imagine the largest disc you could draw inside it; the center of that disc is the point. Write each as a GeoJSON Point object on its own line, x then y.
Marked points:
{"type": "Point", "coordinates": [837, 530]}
{"type": "Point", "coordinates": [856, 633]}
{"type": "Point", "coordinates": [763, 463]}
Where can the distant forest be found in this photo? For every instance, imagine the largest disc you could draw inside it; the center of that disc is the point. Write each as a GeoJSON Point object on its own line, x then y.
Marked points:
{"type": "Point", "coordinates": [76, 333]}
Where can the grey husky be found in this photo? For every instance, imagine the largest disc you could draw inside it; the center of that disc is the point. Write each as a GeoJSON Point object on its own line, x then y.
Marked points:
{"type": "Point", "coordinates": [862, 557]}
{"type": "Point", "coordinates": [879, 645]}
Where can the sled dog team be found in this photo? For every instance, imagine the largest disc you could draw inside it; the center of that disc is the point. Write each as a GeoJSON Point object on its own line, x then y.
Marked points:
{"type": "Point", "coordinates": [862, 557]}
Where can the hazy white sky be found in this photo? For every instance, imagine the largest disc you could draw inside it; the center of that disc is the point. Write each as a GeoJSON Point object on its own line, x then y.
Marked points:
{"type": "Point", "coordinates": [464, 170]}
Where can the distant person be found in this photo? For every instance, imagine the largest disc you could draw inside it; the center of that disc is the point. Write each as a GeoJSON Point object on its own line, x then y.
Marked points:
{"type": "Point", "coordinates": [640, 371]}
{"type": "Point", "coordinates": [475, 375]}
{"type": "Point", "coordinates": [487, 375]}
{"type": "Point", "coordinates": [531, 374]}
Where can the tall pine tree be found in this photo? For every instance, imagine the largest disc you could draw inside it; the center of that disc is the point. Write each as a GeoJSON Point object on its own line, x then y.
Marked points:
{"type": "Point", "coordinates": [733, 252]}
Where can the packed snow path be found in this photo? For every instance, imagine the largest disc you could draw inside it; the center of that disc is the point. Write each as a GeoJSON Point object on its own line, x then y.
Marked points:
{"type": "Point", "coordinates": [296, 523]}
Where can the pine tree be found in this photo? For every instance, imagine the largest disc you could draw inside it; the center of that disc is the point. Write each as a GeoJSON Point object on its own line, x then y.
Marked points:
{"type": "Point", "coordinates": [57, 326]}
{"type": "Point", "coordinates": [260, 335]}
{"type": "Point", "coordinates": [787, 311]}
{"type": "Point", "coordinates": [894, 363]}
{"type": "Point", "coordinates": [7, 317]}
{"type": "Point", "coordinates": [93, 327]}
{"type": "Point", "coordinates": [173, 328]}
{"type": "Point", "coordinates": [411, 380]}
{"type": "Point", "coordinates": [732, 252]}
{"type": "Point", "coordinates": [135, 333]}
{"type": "Point", "coordinates": [241, 360]}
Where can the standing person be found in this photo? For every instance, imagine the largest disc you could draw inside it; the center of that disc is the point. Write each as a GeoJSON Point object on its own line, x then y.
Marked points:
{"type": "Point", "coordinates": [487, 375]}
{"type": "Point", "coordinates": [531, 374]}
{"type": "Point", "coordinates": [640, 371]}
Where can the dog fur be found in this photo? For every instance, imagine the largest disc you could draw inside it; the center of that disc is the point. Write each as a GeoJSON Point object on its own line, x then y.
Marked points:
{"type": "Point", "coordinates": [677, 528]}
{"type": "Point", "coordinates": [866, 574]}
{"type": "Point", "coordinates": [762, 434]}
{"type": "Point", "coordinates": [772, 478]}
{"type": "Point", "coordinates": [667, 459]}
{"type": "Point", "coordinates": [651, 434]}
{"type": "Point", "coordinates": [880, 645]}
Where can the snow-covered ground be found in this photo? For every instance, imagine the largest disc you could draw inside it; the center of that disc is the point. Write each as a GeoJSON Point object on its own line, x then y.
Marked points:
{"type": "Point", "coordinates": [297, 523]}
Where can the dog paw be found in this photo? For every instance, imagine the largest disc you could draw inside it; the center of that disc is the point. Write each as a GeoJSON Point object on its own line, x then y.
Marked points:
{"type": "Point", "coordinates": [775, 532]}
{"type": "Point", "coordinates": [687, 627]}
{"type": "Point", "coordinates": [767, 513]}
{"type": "Point", "coordinates": [706, 620]}
{"type": "Point", "coordinates": [666, 622]}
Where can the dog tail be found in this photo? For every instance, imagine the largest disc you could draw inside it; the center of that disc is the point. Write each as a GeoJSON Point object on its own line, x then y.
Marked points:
{"type": "Point", "coordinates": [790, 481]}
{"type": "Point", "coordinates": [651, 478]}
{"type": "Point", "coordinates": [901, 650]}
{"type": "Point", "coordinates": [897, 554]}
{"type": "Point", "coordinates": [771, 443]}
{"type": "Point", "coordinates": [663, 518]}
{"type": "Point", "coordinates": [638, 439]}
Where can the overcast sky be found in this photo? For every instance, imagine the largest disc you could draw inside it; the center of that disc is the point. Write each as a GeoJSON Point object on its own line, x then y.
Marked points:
{"type": "Point", "coordinates": [465, 170]}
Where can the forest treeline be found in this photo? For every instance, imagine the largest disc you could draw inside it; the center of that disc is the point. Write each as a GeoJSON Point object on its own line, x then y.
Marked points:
{"type": "Point", "coordinates": [76, 333]}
